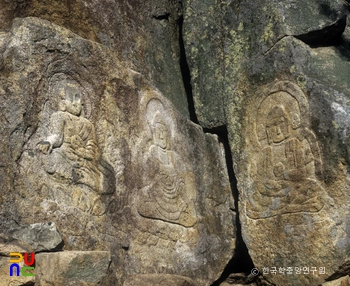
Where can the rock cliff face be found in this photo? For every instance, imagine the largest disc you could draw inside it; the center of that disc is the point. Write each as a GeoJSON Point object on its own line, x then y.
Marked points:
{"type": "Point", "coordinates": [283, 92]}
{"type": "Point", "coordinates": [175, 142]}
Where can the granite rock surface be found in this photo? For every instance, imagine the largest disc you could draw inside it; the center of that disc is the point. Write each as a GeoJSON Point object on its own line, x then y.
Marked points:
{"type": "Point", "coordinates": [96, 99]}
{"type": "Point", "coordinates": [96, 149]}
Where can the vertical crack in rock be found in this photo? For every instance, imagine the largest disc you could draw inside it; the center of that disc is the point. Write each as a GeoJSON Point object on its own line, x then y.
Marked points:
{"type": "Point", "coordinates": [186, 75]}
{"type": "Point", "coordinates": [241, 262]}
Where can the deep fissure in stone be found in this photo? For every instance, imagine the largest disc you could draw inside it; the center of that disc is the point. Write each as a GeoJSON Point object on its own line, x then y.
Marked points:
{"type": "Point", "coordinates": [241, 262]}
{"type": "Point", "coordinates": [328, 36]}
{"type": "Point", "coordinates": [185, 72]}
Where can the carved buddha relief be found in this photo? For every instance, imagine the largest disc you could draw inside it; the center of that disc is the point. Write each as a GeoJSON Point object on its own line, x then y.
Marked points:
{"type": "Point", "coordinates": [71, 146]}
{"type": "Point", "coordinates": [288, 157]}
{"type": "Point", "coordinates": [170, 191]}
{"type": "Point", "coordinates": [70, 152]}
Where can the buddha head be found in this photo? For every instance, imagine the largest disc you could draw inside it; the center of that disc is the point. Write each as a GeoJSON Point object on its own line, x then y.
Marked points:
{"type": "Point", "coordinates": [160, 132]}
{"type": "Point", "coordinates": [277, 125]}
{"type": "Point", "coordinates": [70, 96]}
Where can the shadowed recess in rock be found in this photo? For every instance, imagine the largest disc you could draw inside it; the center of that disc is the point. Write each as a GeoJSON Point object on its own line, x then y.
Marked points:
{"type": "Point", "coordinates": [241, 261]}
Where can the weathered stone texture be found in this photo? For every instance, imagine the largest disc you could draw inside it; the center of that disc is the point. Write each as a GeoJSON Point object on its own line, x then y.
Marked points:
{"type": "Point", "coordinates": [283, 70]}
{"type": "Point", "coordinates": [144, 34]}
{"type": "Point", "coordinates": [320, 239]}
{"type": "Point", "coordinates": [344, 281]}
{"type": "Point", "coordinates": [41, 236]}
{"type": "Point", "coordinates": [9, 244]}
{"type": "Point", "coordinates": [177, 212]}
{"type": "Point", "coordinates": [95, 136]}
{"type": "Point", "coordinates": [96, 149]}
{"type": "Point", "coordinates": [239, 279]}
{"type": "Point", "coordinates": [223, 37]}
{"type": "Point", "coordinates": [158, 279]}
{"type": "Point", "coordinates": [81, 268]}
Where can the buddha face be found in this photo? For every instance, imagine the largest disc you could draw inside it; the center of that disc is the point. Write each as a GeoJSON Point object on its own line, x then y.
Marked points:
{"type": "Point", "coordinates": [161, 135]}
{"type": "Point", "coordinates": [71, 100]}
{"type": "Point", "coordinates": [277, 125]}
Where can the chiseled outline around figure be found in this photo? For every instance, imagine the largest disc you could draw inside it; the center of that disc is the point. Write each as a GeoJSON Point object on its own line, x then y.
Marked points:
{"type": "Point", "coordinates": [71, 147]}
{"type": "Point", "coordinates": [288, 159]}
{"type": "Point", "coordinates": [168, 194]}
{"type": "Point", "coordinates": [72, 153]}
